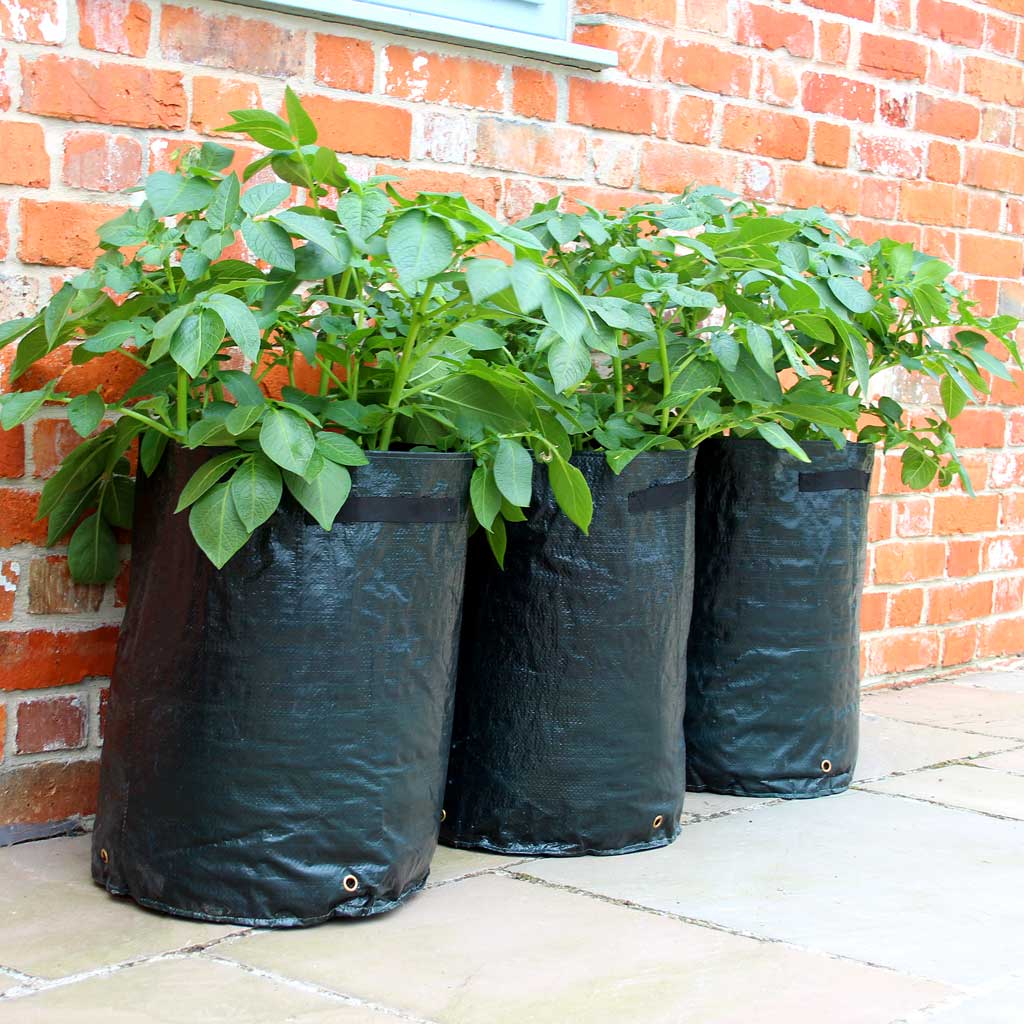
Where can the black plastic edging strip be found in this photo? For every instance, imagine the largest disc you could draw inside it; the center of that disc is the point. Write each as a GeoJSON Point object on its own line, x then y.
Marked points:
{"type": "Point", "coordinates": [661, 496]}
{"type": "Point", "coordinates": [836, 480]}
{"type": "Point", "coordinates": [400, 510]}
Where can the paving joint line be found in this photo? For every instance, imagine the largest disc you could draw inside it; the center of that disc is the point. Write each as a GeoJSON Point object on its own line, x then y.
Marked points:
{"type": "Point", "coordinates": [949, 762]}
{"type": "Point", "coordinates": [948, 728]}
{"type": "Point", "coordinates": [441, 883]}
{"type": "Point", "coordinates": [938, 803]}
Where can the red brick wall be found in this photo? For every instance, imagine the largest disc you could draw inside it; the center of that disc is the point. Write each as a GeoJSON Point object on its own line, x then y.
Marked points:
{"type": "Point", "coordinates": [904, 116]}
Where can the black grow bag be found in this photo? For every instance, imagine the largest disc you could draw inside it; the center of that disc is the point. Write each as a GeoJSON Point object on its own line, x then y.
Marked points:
{"type": "Point", "coordinates": [568, 735]}
{"type": "Point", "coordinates": [773, 678]}
{"type": "Point", "coordinates": [278, 731]}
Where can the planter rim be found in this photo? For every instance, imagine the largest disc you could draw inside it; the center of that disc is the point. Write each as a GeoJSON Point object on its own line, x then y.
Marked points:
{"type": "Point", "coordinates": [674, 453]}
{"type": "Point", "coordinates": [811, 446]}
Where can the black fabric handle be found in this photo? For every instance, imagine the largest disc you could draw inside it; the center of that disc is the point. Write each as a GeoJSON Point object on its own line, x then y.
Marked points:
{"type": "Point", "coordinates": [401, 510]}
{"type": "Point", "coordinates": [836, 480]}
{"type": "Point", "coordinates": [661, 496]}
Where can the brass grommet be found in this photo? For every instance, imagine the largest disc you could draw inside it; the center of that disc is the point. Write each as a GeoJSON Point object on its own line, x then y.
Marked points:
{"type": "Point", "coordinates": [350, 883]}
{"type": "Point", "coordinates": [658, 821]}
{"type": "Point", "coordinates": [444, 814]}
{"type": "Point", "coordinates": [826, 765]}
{"type": "Point", "coordinates": [104, 856]}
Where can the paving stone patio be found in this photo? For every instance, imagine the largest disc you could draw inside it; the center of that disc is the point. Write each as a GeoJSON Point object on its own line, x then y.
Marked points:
{"type": "Point", "coordinates": [900, 902]}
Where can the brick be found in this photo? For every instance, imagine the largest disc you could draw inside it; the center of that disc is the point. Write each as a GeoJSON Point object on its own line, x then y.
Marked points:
{"type": "Point", "coordinates": [1012, 515]}
{"type": "Point", "coordinates": [657, 12]}
{"type": "Point", "coordinates": [668, 167]}
{"type": "Point", "coordinates": [484, 191]}
{"type": "Point", "coordinates": [1007, 470]}
{"type": "Point", "coordinates": [52, 441]}
{"type": "Point", "coordinates": [344, 63]}
{"type": "Point", "coordinates": [3, 730]}
{"type": "Point", "coordinates": [994, 80]}
{"type": "Point", "coordinates": [114, 26]}
{"type": "Point", "coordinates": [944, 162]}
{"type": "Point", "coordinates": [33, 21]}
{"type": "Point", "coordinates": [10, 575]}
{"type": "Point", "coordinates": [880, 518]}
{"type": "Point", "coordinates": [776, 83]}
{"type": "Point", "coordinates": [12, 452]}
{"type": "Point", "coordinates": [49, 791]}
{"type": "Point", "coordinates": [358, 126]}
{"type": "Point", "coordinates": [112, 374]}
{"type": "Point", "coordinates": [101, 161]}
{"type": "Point", "coordinates": [5, 87]}
{"type": "Point", "coordinates": [863, 10]}
{"type": "Point", "coordinates": [996, 170]}
{"type": "Point", "coordinates": [17, 518]}
{"type": "Point", "coordinates": [25, 160]}
{"type": "Point", "coordinates": [639, 51]}
{"type": "Point", "coordinates": [62, 234]}
{"type": "Point", "coordinates": [913, 517]}
{"type": "Point", "coordinates": [693, 120]}
{"type": "Point", "coordinates": [705, 15]}
{"type": "Point", "coordinates": [893, 58]}
{"type": "Point", "coordinates": [959, 602]}
{"type": "Point", "coordinates": [872, 611]}
{"type": "Point", "coordinates": [1003, 554]}
{"type": "Point", "coordinates": [895, 13]}
{"type": "Point", "coordinates": [831, 144]}
{"type": "Point", "coordinates": [1001, 637]}
{"type": "Point", "coordinates": [905, 607]}
{"type": "Point", "coordinates": [82, 90]}
{"type": "Point", "coordinates": [959, 644]}
{"type": "Point", "coordinates": [214, 97]}
{"type": "Point", "coordinates": [618, 108]}
{"type": "Point", "coordinates": [612, 200]}
{"type": "Point", "coordinates": [903, 652]}
{"type": "Point", "coordinates": [990, 257]}
{"type": "Point", "coordinates": [940, 244]}
{"type": "Point", "coordinates": [1015, 216]}
{"type": "Point", "coordinates": [615, 161]}
{"type": "Point", "coordinates": [53, 591]}
{"type": "Point", "coordinates": [756, 179]}
{"type": "Point", "coordinates": [909, 561]}
{"type": "Point", "coordinates": [894, 108]}
{"type": "Point", "coordinates": [950, 118]}
{"type": "Point", "coordinates": [772, 29]}
{"type": "Point", "coordinates": [534, 93]}
{"type": "Point", "coordinates": [984, 212]}
{"type": "Point", "coordinates": [996, 125]}
{"type": "Point", "coordinates": [434, 78]}
{"type": "Point", "coordinates": [765, 133]}
{"type": "Point", "coordinates": [520, 195]}
{"type": "Point", "coordinates": [964, 558]}
{"type": "Point", "coordinates": [707, 67]}
{"type": "Point", "coordinates": [945, 70]}
{"type": "Point", "coordinates": [933, 203]}
{"type": "Point", "coordinates": [55, 723]}
{"type": "Point", "coordinates": [531, 148]}
{"type": "Point", "coordinates": [38, 658]}
{"type": "Point", "coordinates": [226, 41]}
{"type": "Point", "coordinates": [121, 585]}
{"type": "Point", "coordinates": [839, 97]}
{"type": "Point", "coordinates": [808, 186]}
{"type": "Point", "coordinates": [885, 154]}
{"type": "Point", "coordinates": [833, 42]}
{"type": "Point", "coordinates": [1000, 35]}
{"type": "Point", "coordinates": [953, 23]}
{"type": "Point", "coordinates": [1008, 595]}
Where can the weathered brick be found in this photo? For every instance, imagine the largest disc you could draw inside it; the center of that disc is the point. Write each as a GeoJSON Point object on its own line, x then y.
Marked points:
{"type": "Point", "coordinates": [959, 645]}
{"type": "Point", "coordinates": [994, 80]}
{"type": "Point", "coordinates": [48, 791]}
{"type": "Point", "coordinates": [657, 12]}
{"type": "Point", "coordinates": [772, 29]}
{"type": "Point", "coordinates": [765, 133]}
{"type": "Point", "coordinates": [903, 652]}
{"type": "Point", "coordinates": [959, 602]}
{"type": "Point", "coordinates": [808, 186]}
{"type": "Point", "coordinates": [831, 144]}
{"type": "Point", "coordinates": [953, 23]}
{"type": "Point", "coordinates": [10, 576]}
{"type": "Point", "coordinates": [944, 162]}
{"type": "Point", "coordinates": [776, 82]}
{"type": "Point", "coordinates": [619, 108]}
{"type": "Point", "coordinates": [33, 21]}
{"type": "Point", "coordinates": [359, 126]}
{"type": "Point", "coordinates": [863, 10]}
{"type": "Point", "coordinates": [1001, 637]}
{"type": "Point", "coordinates": [101, 161]}
{"type": "Point", "coordinates": [435, 78]}
{"type": "Point", "coordinates": [226, 41]}
{"type": "Point", "coordinates": [990, 257]}
{"type": "Point", "coordinates": [960, 513]}
{"type": "Point", "coordinates": [344, 63]}
{"type": "Point", "coordinates": [62, 234]}
{"type": "Point", "coordinates": [963, 558]}
{"type": "Point", "coordinates": [933, 203]}
{"type": "Point", "coordinates": [667, 167]}
{"type": "Point", "coordinates": [534, 93]}
{"type": "Point", "coordinates": [48, 724]}
{"type": "Point", "coordinates": [872, 611]}
{"type": "Point", "coordinates": [615, 161]}
{"type": "Point", "coordinates": [25, 160]}
{"type": "Point", "coordinates": [693, 119]}
{"type": "Point", "coordinates": [707, 67]}
{"type": "Point", "coordinates": [833, 42]}
{"type": "Point", "coordinates": [214, 97]}
{"type": "Point", "coordinates": [1007, 595]}
{"type": "Point", "coordinates": [913, 517]}
{"type": "Point", "coordinates": [53, 591]}
{"type": "Point", "coordinates": [995, 169]}
{"type": "Point", "coordinates": [900, 561]}
{"type": "Point", "coordinates": [39, 658]}
{"type": "Point", "coordinates": [893, 58]}
{"type": "Point", "coordinates": [951, 118]}
{"type": "Point", "coordinates": [889, 155]}
{"type": "Point", "coordinates": [17, 518]}
{"type": "Point", "coordinates": [905, 607]}
{"type": "Point", "coordinates": [484, 191]}
{"type": "Point", "coordinates": [839, 96]}
{"type": "Point", "coordinates": [531, 148]}
{"type": "Point", "coordinates": [114, 26]}
{"type": "Point", "coordinates": [639, 50]}
{"type": "Point", "coordinates": [12, 452]}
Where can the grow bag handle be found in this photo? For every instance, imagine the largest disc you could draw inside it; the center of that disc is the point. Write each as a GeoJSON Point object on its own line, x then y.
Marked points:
{"type": "Point", "coordinates": [661, 496]}
{"type": "Point", "coordinates": [401, 510]}
{"type": "Point", "coordinates": [836, 480]}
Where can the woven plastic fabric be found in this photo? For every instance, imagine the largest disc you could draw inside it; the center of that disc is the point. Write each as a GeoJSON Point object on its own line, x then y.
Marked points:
{"type": "Point", "coordinates": [278, 731]}
{"type": "Point", "coordinates": [568, 734]}
{"type": "Point", "coordinates": [773, 679]}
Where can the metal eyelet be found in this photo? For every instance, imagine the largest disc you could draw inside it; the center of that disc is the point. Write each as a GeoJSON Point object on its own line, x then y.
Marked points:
{"type": "Point", "coordinates": [658, 821]}
{"type": "Point", "coordinates": [826, 766]}
{"type": "Point", "coordinates": [350, 883]}
{"type": "Point", "coordinates": [444, 815]}
{"type": "Point", "coordinates": [104, 856]}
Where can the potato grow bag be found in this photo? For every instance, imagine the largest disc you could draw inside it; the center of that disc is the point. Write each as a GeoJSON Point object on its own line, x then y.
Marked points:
{"type": "Point", "coordinates": [773, 679]}
{"type": "Point", "coordinates": [278, 731]}
{"type": "Point", "coordinates": [568, 735]}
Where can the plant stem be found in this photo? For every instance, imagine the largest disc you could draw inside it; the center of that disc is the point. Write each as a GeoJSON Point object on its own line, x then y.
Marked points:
{"type": "Point", "coordinates": [666, 377]}
{"type": "Point", "coordinates": [182, 402]}
{"type": "Point", "coordinates": [404, 368]}
{"type": "Point", "coordinates": [619, 388]}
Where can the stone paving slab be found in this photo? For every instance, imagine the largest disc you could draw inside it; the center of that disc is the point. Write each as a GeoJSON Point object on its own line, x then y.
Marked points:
{"type": "Point", "coordinates": [6, 981]}
{"type": "Point", "coordinates": [961, 785]}
{"type": "Point", "coordinates": [54, 921]}
{"type": "Point", "coordinates": [1010, 761]}
{"type": "Point", "coordinates": [507, 951]}
{"type": "Point", "coordinates": [918, 888]}
{"type": "Point", "coordinates": [191, 990]}
{"type": "Point", "coordinates": [1003, 1003]}
{"type": "Point", "coordinates": [953, 706]}
{"type": "Point", "coordinates": [1007, 682]}
{"type": "Point", "coordinates": [449, 864]}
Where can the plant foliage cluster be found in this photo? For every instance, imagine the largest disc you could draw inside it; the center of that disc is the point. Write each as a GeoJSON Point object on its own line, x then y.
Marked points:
{"type": "Point", "coordinates": [426, 323]}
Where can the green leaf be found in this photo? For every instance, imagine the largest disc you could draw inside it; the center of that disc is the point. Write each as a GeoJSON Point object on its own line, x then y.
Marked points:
{"type": "Point", "coordinates": [241, 419]}
{"type": "Point", "coordinates": [953, 398]}
{"type": "Point", "coordinates": [497, 538]}
{"type": "Point", "coordinates": [513, 472]}
{"type": "Point", "coordinates": [151, 450]}
{"type": "Point", "coordinates": [68, 510]}
{"type": "Point", "coordinates": [861, 363]}
{"type": "Point", "coordinates": [20, 405]}
{"type": "Point", "coordinates": [216, 525]}
{"type": "Point", "coordinates": [323, 495]}
{"type": "Point", "coordinates": [363, 214]}
{"type": "Point", "coordinates": [115, 334]}
{"type": "Point", "coordinates": [340, 449]}
{"type": "Point", "coordinates": [918, 469]}
{"type": "Point", "coordinates": [197, 340]}
{"type": "Point", "coordinates": [269, 241]}
{"type": "Point", "coordinates": [486, 277]}
{"type": "Point", "coordinates": [171, 194]}
{"type": "Point", "coordinates": [244, 387]}
{"type": "Point", "coordinates": [79, 470]}
{"type": "Point", "coordinates": [529, 283]}
{"type": "Point", "coordinates": [240, 322]}
{"type": "Point", "coordinates": [117, 502]}
{"type": "Point", "coordinates": [264, 198]}
{"type": "Point", "coordinates": [224, 204]}
{"type": "Point", "coordinates": [299, 121]}
{"type": "Point", "coordinates": [778, 438]}
{"type": "Point", "coordinates": [256, 488]}
{"type": "Point", "coordinates": [726, 350]}
{"type": "Point", "coordinates": [568, 362]}
{"type": "Point", "coordinates": [571, 492]}
{"type": "Point", "coordinates": [759, 342]}
{"type": "Point", "coordinates": [564, 314]}
{"type": "Point", "coordinates": [215, 157]}
{"type": "Point", "coordinates": [209, 473]}
{"type": "Point", "coordinates": [484, 496]}
{"type": "Point", "coordinates": [92, 553]}
{"type": "Point", "coordinates": [852, 294]}
{"type": "Point", "coordinates": [286, 438]}
{"type": "Point", "coordinates": [479, 338]}
{"type": "Point", "coordinates": [419, 246]}
{"type": "Point", "coordinates": [86, 412]}
{"type": "Point", "coordinates": [57, 312]}
{"type": "Point", "coordinates": [318, 231]}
